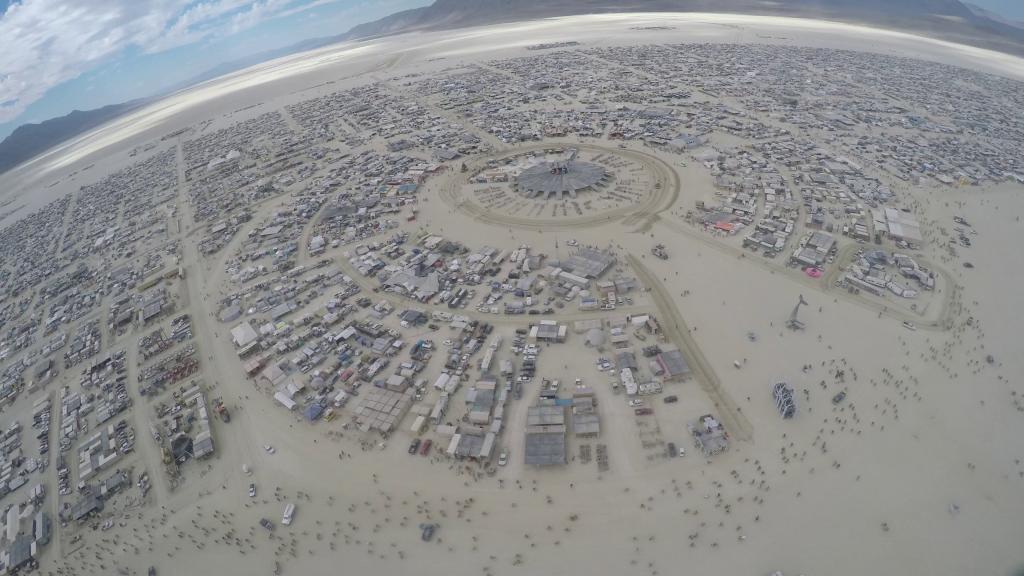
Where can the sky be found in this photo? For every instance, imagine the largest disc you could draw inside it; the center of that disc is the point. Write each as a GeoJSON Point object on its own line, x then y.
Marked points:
{"type": "Point", "coordinates": [1012, 9]}
{"type": "Point", "coordinates": [61, 55]}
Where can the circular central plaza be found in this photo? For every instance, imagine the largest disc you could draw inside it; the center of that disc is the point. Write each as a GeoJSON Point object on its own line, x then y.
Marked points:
{"type": "Point", "coordinates": [550, 184]}
{"type": "Point", "coordinates": [553, 180]}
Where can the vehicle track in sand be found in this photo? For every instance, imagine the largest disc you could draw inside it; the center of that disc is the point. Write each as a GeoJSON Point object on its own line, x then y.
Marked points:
{"type": "Point", "coordinates": [678, 332]}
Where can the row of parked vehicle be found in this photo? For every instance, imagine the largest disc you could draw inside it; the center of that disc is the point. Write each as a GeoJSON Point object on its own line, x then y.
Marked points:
{"type": "Point", "coordinates": [125, 436]}
{"type": "Point", "coordinates": [63, 476]}
{"type": "Point", "coordinates": [420, 447]}
{"type": "Point", "coordinates": [41, 422]}
{"type": "Point", "coordinates": [529, 353]}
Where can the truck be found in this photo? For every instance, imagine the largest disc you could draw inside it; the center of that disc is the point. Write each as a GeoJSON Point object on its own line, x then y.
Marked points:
{"type": "Point", "coordinates": [289, 512]}
{"type": "Point", "coordinates": [221, 410]}
{"type": "Point", "coordinates": [425, 447]}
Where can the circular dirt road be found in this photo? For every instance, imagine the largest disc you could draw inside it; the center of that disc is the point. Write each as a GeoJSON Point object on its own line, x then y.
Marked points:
{"type": "Point", "coordinates": [663, 195]}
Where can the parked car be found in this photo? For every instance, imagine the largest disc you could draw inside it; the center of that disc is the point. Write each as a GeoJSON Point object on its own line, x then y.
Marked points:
{"type": "Point", "coordinates": [670, 399]}
{"type": "Point", "coordinates": [670, 449]}
{"type": "Point", "coordinates": [269, 448]}
{"type": "Point", "coordinates": [503, 458]}
{"type": "Point", "coordinates": [414, 446]}
{"type": "Point", "coordinates": [267, 524]}
{"type": "Point", "coordinates": [252, 490]}
{"type": "Point", "coordinates": [643, 411]}
{"type": "Point", "coordinates": [425, 447]}
{"type": "Point", "coordinates": [636, 403]}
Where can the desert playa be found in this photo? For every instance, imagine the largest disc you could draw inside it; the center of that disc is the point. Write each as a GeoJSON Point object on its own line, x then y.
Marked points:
{"type": "Point", "coordinates": [635, 294]}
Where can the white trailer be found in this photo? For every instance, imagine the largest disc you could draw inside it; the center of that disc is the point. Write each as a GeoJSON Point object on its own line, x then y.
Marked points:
{"type": "Point", "coordinates": [418, 424]}
{"type": "Point", "coordinates": [437, 414]}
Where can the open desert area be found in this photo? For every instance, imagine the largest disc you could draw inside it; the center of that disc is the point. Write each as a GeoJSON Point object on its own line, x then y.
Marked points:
{"type": "Point", "coordinates": [635, 294]}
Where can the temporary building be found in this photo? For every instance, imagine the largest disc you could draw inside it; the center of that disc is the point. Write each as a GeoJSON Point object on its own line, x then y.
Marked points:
{"type": "Point", "coordinates": [313, 411]}
{"type": "Point", "coordinates": [284, 400]}
{"type": "Point", "coordinates": [243, 334]}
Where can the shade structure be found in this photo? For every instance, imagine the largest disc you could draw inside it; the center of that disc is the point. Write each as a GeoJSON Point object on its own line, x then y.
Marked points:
{"type": "Point", "coordinates": [555, 179]}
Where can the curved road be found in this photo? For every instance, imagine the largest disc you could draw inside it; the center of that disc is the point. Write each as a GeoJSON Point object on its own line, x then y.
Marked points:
{"type": "Point", "coordinates": [664, 195]}
{"type": "Point", "coordinates": [825, 284]}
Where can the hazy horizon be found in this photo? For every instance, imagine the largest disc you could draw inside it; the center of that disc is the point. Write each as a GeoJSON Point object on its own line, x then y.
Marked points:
{"type": "Point", "coordinates": [138, 49]}
{"type": "Point", "coordinates": [63, 55]}
{"type": "Point", "coordinates": [460, 299]}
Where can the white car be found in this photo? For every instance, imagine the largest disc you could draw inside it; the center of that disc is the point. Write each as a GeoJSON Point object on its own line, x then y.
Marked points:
{"type": "Point", "coordinates": [503, 458]}
{"type": "Point", "coordinates": [268, 448]}
{"type": "Point", "coordinates": [636, 403]}
{"type": "Point", "coordinates": [252, 490]}
{"type": "Point", "coordinates": [909, 326]}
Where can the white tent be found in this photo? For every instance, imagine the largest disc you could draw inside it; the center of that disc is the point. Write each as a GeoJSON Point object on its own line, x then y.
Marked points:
{"type": "Point", "coordinates": [285, 400]}
{"type": "Point", "coordinates": [243, 335]}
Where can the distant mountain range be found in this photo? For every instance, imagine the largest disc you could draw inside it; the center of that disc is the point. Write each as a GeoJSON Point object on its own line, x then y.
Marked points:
{"type": "Point", "coordinates": [29, 140]}
{"type": "Point", "coordinates": [945, 19]}
{"type": "Point", "coordinates": [993, 16]}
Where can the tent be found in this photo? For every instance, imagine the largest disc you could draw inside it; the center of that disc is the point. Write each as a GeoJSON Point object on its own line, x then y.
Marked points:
{"type": "Point", "coordinates": [284, 400]}
{"type": "Point", "coordinates": [313, 411]}
{"type": "Point", "coordinates": [243, 334]}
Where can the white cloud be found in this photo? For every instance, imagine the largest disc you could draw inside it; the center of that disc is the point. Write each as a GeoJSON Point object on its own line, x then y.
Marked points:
{"type": "Point", "coordinates": [47, 42]}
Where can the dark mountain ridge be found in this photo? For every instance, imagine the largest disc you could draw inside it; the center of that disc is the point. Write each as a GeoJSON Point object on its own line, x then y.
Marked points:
{"type": "Point", "coordinates": [29, 140]}
{"type": "Point", "coordinates": [945, 19]}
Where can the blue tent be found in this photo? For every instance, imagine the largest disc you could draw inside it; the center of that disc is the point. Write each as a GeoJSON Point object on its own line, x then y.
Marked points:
{"type": "Point", "coordinates": [313, 411]}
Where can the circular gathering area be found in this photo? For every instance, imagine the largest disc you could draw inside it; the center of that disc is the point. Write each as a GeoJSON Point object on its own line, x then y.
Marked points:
{"type": "Point", "coordinates": [576, 186]}
{"type": "Point", "coordinates": [552, 180]}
